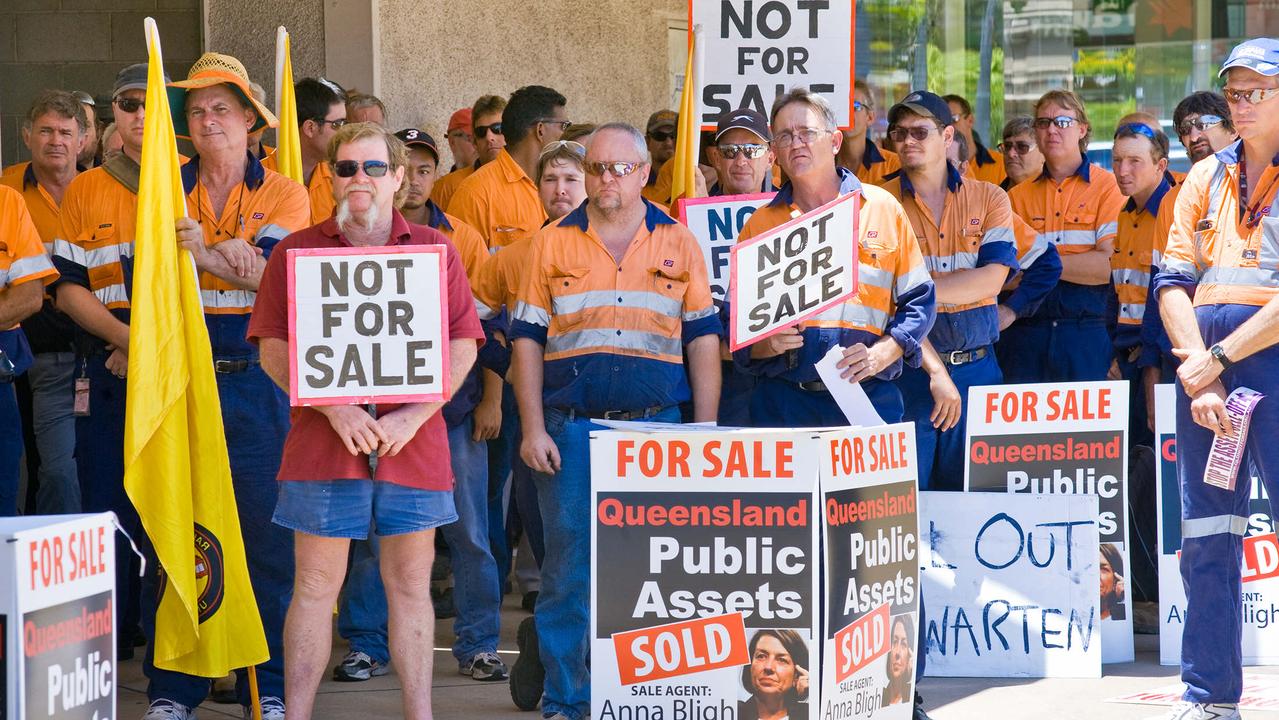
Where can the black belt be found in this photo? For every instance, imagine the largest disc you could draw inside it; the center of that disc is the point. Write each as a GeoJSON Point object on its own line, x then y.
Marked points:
{"type": "Point", "coordinates": [811, 386]}
{"type": "Point", "coordinates": [963, 357]}
{"type": "Point", "coordinates": [226, 367]}
{"type": "Point", "coordinates": [622, 415]}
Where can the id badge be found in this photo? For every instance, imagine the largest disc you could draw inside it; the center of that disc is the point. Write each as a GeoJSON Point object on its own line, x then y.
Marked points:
{"type": "Point", "coordinates": [81, 408]}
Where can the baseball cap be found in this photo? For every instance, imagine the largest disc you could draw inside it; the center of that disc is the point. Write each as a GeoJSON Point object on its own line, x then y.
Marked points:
{"type": "Point", "coordinates": [661, 119]}
{"type": "Point", "coordinates": [460, 120]}
{"type": "Point", "coordinates": [1261, 55]}
{"type": "Point", "coordinates": [412, 137]}
{"type": "Point", "coordinates": [746, 119]}
{"type": "Point", "coordinates": [133, 77]}
{"type": "Point", "coordinates": [215, 69]}
{"type": "Point", "coordinates": [924, 104]}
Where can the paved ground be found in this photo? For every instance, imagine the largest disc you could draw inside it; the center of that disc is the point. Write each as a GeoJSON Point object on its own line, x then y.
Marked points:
{"type": "Point", "coordinates": [946, 699]}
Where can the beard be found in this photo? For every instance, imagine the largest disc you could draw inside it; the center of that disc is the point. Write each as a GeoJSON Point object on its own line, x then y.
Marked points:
{"type": "Point", "coordinates": [365, 220]}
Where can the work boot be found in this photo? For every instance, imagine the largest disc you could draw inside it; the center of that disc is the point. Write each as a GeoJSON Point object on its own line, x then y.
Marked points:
{"type": "Point", "coordinates": [527, 675]}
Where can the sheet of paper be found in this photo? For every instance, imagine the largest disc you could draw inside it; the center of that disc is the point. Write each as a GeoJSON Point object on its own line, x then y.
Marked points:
{"type": "Point", "coordinates": [849, 395]}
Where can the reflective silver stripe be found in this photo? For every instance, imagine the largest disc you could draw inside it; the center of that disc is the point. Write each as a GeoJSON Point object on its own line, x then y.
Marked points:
{"type": "Point", "coordinates": [1135, 311]}
{"type": "Point", "coordinates": [856, 314]}
{"type": "Point", "coordinates": [1215, 525]}
{"type": "Point", "coordinates": [1131, 277]}
{"type": "Point", "coordinates": [1036, 249]}
{"type": "Point", "coordinates": [1156, 258]}
{"type": "Point", "coordinates": [911, 280]}
{"type": "Point", "coordinates": [949, 263]}
{"type": "Point", "coordinates": [1110, 228]}
{"type": "Point", "coordinates": [111, 294]}
{"type": "Point", "coordinates": [699, 314]}
{"type": "Point", "coordinates": [531, 314]}
{"type": "Point", "coordinates": [272, 231]}
{"type": "Point", "coordinates": [604, 339]}
{"type": "Point", "coordinates": [1269, 255]}
{"type": "Point", "coordinates": [874, 276]}
{"type": "Point", "coordinates": [484, 311]}
{"type": "Point", "coordinates": [1172, 265]}
{"type": "Point", "coordinates": [227, 299]}
{"type": "Point", "coordinates": [1244, 277]}
{"type": "Point", "coordinates": [577, 302]}
{"type": "Point", "coordinates": [68, 250]}
{"type": "Point", "coordinates": [998, 234]}
{"type": "Point", "coordinates": [1071, 237]}
{"type": "Point", "coordinates": [1217, 183]}
{"type": "Point", "coordinates": [26, 267]}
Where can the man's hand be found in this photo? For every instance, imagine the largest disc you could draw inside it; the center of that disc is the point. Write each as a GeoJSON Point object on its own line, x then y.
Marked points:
{"type": "Point", "coordinates": [359, 432]}
{"type": "Point", "coordinates": [1208, 408]}
{"type": "Point", "coordinates": [488, 418]}
{"type": "Point", "coordinates": [1149, 379]}
{"type": "Point", "coordinates": [240, 254]}
{"type": "Point", "coordinates": [117, 362]}
{"type": "Point", "coordinates": [1006, 316]}
{"type": "Point", "coordinates": [398, 428]}
{"type": "Point", "coordinates": [861, 362]}
{"type": "Point", "coordinates": [947, 403]}
{"type": "Point", "coordinates": [539, 452]}
{"type": "Point", "coordinates": [191, 238]}
{"type": "Point", "coordinates": [783, 341]}
{"type": "Point", "coordinates": [1114, 373]}
{"type": "Point", "coordinates": [1198, 369]}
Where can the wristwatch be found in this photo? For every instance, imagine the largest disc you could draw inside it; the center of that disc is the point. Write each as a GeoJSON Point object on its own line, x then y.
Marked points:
{"type": "Point", "coordinates": [1220, 354]}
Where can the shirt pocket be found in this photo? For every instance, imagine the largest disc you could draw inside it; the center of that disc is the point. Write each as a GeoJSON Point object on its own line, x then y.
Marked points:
{"type": "Point", "coordinates": [102, 256]}
{"type": "Point", "coordinates": [667, 298]}
{"type": "Point", "coordinates": [569, 295]}
{"type": "Point", "coordinates": [1079, 230]}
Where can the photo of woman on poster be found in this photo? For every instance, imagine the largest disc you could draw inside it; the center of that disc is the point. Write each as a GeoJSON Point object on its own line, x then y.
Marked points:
{"type": "Point", "coordinates": [1112, 583]}
{"type": "Point", "coordinates": [776, 678]}
{"type": "Point", "coordinates": [899, 663]}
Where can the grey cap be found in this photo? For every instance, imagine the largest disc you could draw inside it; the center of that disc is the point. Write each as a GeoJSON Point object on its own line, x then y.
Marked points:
{"type": "Point", "coordinates": [133, 77]}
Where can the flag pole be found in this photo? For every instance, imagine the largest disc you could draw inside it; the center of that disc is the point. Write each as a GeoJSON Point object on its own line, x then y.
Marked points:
{"type": "Point", "coordinates": [255, 700]}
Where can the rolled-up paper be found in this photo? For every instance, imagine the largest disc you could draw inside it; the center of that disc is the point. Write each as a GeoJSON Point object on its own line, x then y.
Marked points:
{"type": "Point", "coordinates": [1227, 450]}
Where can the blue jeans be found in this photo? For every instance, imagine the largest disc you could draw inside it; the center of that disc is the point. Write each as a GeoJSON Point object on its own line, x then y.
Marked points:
{"type": "Point", "coordinates": [11, 448]}
{"type": "Point", "coordinates": [941, 454]}
{"type": "Point", "coordinates": [1039, 351]}
{"type": "Point", "coordinates": [52, 380]}
{"type": "Point", "coordinates": [563, 605]}
{"type": "Point", "coordinates": [255, 415]}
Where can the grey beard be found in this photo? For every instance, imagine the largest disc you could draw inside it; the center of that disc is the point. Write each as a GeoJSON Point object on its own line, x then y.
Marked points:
{"type": "Point", "coordinates": [365, 222]}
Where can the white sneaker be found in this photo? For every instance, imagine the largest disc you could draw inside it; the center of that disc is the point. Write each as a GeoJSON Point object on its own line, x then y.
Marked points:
{"type": "Point", "coordinates": [272, 709]}
{"type": "Point", "coordinates": [1186, 710]}
{"type": "Point", "coordinates": [168, 710]}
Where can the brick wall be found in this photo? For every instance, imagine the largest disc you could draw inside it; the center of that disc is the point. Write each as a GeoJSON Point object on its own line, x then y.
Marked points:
{"type": "Point", "coordinates": [81, 45]}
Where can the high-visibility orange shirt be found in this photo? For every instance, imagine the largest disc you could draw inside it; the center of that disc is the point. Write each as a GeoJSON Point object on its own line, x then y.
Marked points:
{"type": "Point", "coordinates": [470, 246]}
{"type": "Point", "coordinates": [320, 192]}
{"type": "Point", "coordinates": [987, 165]}
{"type": "Point", "coordinates": [15, 169]}
{"type": "Point", "coordinates": [877, 164]}
{"type": "Point", "coordinates": [500, 279]}
{"type": "Point", "coordinates": [446, 187]}
{"type": "Point", "coordinates": [44, 210]}
{"type": "Point", "coordinates": [22, 260]}
{"type": "Point", "coordinates": [500, 201]}
{"type": "Point", "coordinates": [1077, 215]}
{"type": "Point", "coordinates": [1143, 231]}
{"type": "Point", "coordinates": [94, 248]}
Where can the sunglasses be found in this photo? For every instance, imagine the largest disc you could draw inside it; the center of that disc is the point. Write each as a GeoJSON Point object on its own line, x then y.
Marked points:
{"type": "Point", "coordinates": [616, 168]}
{"type": "Point", "coordinates": [754, 151]}
{"type": "Point", "coordinates": [662, 135]}
{"type": "Point", "coordinates": [372, 168]}
{"type": "Point", "coordinates": [1061, 121]}
{"type": "Point", "coordinates": [918, 133]}
{"type": "Point", "coordinates": [337, 124]}
{"type": "Point", "coordinates": [1136, 129]}
{"type": "Point", "coordinates": [1020, 147]}
{"type": "Point", "coordinates": [1252, 97]}
{"type": "Point", "coordinates": [552, 121]}
{"type": "Point", "coordinates": [859, 105]}
{"type": "Point", "coordinates": [575, 148]}
{"type": "Point", "coordinates": [482, 131]}
{"type": "Point", "coordinates": [1201, 123]}
{"type": "Point", "coordinates": [129, 105]}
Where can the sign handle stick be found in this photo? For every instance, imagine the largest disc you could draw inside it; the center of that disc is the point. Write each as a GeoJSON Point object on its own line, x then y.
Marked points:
{"type": "Point", "coordinates": [255, 701]}
{"type": "Point", "coordinates": [373, 455]}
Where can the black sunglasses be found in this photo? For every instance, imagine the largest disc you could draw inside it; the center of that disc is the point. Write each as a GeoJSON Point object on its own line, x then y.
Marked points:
{"type": "Point", "coordinates": [662, 135]}
{"type": "Point", "coordinates": [348, 168]}
{"type": "Point", "coordinates": [482, 130]}
{"type": "Point", "coordinates": [335, 123]}
{"type": "Point", "coordinates": [918, 133]}
{"type": "Point", "coordinates": [129, 105]}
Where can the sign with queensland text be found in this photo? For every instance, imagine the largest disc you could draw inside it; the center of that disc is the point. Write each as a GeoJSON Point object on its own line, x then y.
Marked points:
{"type": "Point", "coordinates": [368, 325]}
{"type": "Point", "coordinates": [1259, 568]}
{"type": "Point", "coordinates": [1062, 439]}
{"type": "Point", "coordinates": [1010, 585]}
{"type": "Point", "coordinates": [869, 487]}
{"type": "Point", "coordinates": [704, 574]}
{"type": "Point", "coordinates": [716, 222]}
{"type": "Point", "coordinates": [763, 48]}
{"type": "Point", "coordinates": [794, 271]}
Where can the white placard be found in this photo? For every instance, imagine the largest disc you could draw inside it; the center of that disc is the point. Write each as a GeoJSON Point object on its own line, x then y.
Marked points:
{"type": "Point", "coordinates": [716, 222]}
{"type": "Point", "coordinates": [1010, 585]}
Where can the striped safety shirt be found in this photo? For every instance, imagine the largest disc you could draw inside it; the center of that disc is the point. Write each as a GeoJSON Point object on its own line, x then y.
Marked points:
{"type": "Point", "coordinates": [500, 201]}
{"type": "Point", "coordinates": [22, 259]}
{"type": "Point", "coordinates": [1143, 230]}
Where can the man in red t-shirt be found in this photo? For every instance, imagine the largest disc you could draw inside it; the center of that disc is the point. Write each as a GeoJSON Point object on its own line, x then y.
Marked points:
{"type": "Point", "coordinates": [328, 495]}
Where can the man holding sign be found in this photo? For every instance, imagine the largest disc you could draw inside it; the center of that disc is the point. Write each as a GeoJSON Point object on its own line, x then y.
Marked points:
{"type": "Point", "coordinates": [346, 472]}
{"type": "Point", "coordinates": [883, 323]}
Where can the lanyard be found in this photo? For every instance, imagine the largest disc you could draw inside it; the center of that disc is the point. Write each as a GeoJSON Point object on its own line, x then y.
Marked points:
{"type": "Point", "coordinates": [1252, 212]}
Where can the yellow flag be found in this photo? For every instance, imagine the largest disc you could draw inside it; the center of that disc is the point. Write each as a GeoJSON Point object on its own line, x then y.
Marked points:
{"type": "Point", "coordinates": [176, 469]}
{"type": "Point", "coordinates": [683, 181]}
{"type": "Point", "coordinates": [288, 154]}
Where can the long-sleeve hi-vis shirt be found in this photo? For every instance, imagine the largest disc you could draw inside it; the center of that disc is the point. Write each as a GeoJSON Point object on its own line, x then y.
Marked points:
{"type": "Point", "coordinates": [976, 230]}
{"type": "Point", "coordinates": [614, 332]}
{"type": "Point", "coordinates": [895, 294]}
{"type": "Point", "coordinates": [1077, 215]}
{"type": "Point", "coordinates": [500, 201]}
{"type": "Point", "coordinates": [1220, 253]}
{"type": "Point", "coordinates": [1040, 271]}
{"type": "Point", "coordinates": [22, 259]}
{"type": "Point", "coordinates": [1143, 230]}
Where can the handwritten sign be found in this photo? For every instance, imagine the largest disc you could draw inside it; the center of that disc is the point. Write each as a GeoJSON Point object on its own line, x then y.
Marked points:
{"type": "Point", "coordinates": [716, 222]}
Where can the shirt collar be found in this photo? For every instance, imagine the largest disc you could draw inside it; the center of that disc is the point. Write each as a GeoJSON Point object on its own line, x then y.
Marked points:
{"type": "Point", "coordinates": [510, 169]}
{"type": "Point", "coordinates": [1084, 171]}
{"type": "Point", "coordinates": [400, 229]}
{"type": "Point", "coordinates": [653, 216]}
{"type": "Point", "coordinates": [1155, 199]}
{"type": "Point", "coordinates": [848, 183]}
{"type": "Point", "coordinates": [871, 154]}
{"type": "Point", "coordinates": [436, 218]}
{"type": "Point", "coordinates": [981, 154]}
{"type": "Point", "coordinates": [29, 175]}
{"type": "Point", "coordinates": [254, 174]}
{"type": "Point", "coordinates": [1232, 153]}
{"type": "Point", "coordinates": [766, 186]}
{"type": "Point", "coordinates": [954, 180]}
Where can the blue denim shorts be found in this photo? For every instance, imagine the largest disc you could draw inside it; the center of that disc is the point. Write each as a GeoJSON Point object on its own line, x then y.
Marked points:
{"type": "Point", "coordinates": [354, 508]}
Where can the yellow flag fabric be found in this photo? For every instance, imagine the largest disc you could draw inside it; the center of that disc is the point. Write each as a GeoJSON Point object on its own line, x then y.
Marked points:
{"type": "Point", "coordinates": [288, 153]}
{"type": "Point", "coordinates": [683, 181]}
{"type": "Point", "coordinates": [176, 468]}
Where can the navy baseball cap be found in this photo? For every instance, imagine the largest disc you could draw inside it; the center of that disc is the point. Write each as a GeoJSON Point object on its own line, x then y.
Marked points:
{"type": "Point", "coordinates": [412, 137]}
{"type": "Point", "coordinates": [1260, 55]}
{"type": "Point", "coordinates": [923, 104]}
{"type": "Point", "coordinates": [746, 119]}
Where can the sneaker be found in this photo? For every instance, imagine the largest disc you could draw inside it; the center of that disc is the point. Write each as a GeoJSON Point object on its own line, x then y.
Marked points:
{"type": "Point", "coordinates": [272, 709]}
{"type": "Point", "coordinates": [484, 666]}
{"type": "Point", "coordinates": [358, 666]}
{"type": "Point", "coordinates": [527, 675]}
{"type": "Point", "coordinates": [1186, 710]}
{"type": "Point", "coordinates": [168, 710]}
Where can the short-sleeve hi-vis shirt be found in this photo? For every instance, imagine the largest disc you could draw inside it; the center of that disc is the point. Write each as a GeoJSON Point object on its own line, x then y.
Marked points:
{"type": "Point", "coordinates": [94, 248]}
{"type": "Point", "coordinates": [22, 259]}
{"type": "Point", "coordinates": [975, 231]}
{"type": "Point", "coordinates": [877, 164]}
{"type": "Point", "coordinates": [500, 201]}
{"type": "Point", "coordinates": [1143, 230]}
{"type": "Point", "coordinates": [263, 210]}
{"type": "Point", "coordinates": [44, 210]}
{"type": "Point", "coordinates": [613, 332]}
{"type": "Point", "coordinates": [500, 279]}
{"type": "Point", "coordinates": [987, 165]}
{"type": "Point", "coordinates": [1219, 252]}
{"type": "Point", "coordinates": [895, 294]}
{"type": "Point", "coordinates": [1075, 216]}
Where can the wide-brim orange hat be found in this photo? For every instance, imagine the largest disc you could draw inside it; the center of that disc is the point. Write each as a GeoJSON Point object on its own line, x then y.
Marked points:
{"type": "Point", "coordinates": [215, 69]}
